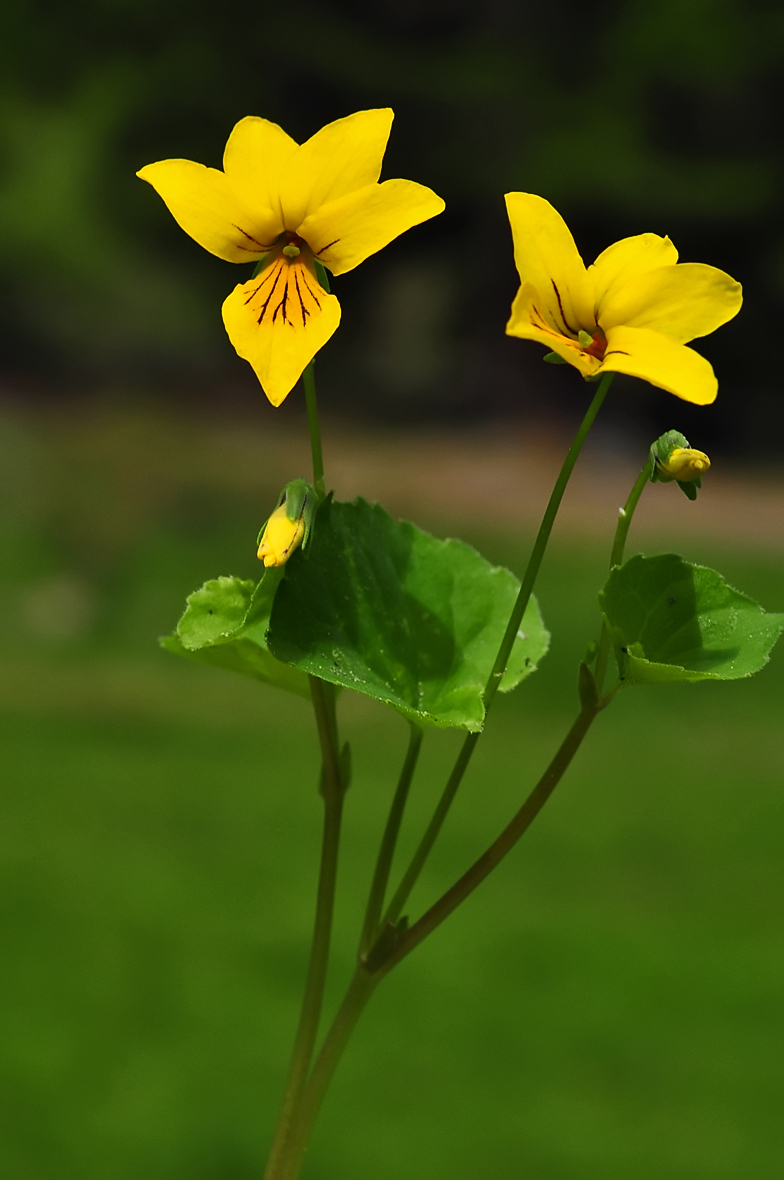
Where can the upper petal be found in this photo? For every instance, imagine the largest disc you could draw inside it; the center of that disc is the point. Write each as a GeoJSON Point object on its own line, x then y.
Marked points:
{"type": "Point", "coordinates": [206, 206]}
{"type": "Point", "coordinates": [343, 156]}
{"type": "Point", "coordinates": [639, 352]}
{"type": "Point", "coordinates": [278, 322]}
{"type": "Point", "coordinates": [546, 257]}
{"type": "Point", "coordinates": [628, 257]}
{"type": "Point", "coordinates": [253, 161]}
{"type": "Point", "coordinates": [343, 233]}
{"type": "Point", "coordinates": [681, 302]}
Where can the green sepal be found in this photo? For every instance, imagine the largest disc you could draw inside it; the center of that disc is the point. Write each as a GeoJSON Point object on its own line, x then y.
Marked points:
{"type": "Point", "coordinates": [587, 688]}
{"type": "Point", "coordinates": [396, 614]}
{"type": "Point", "coordinates": [301, 500]}
{"type": "Point", "coordinates": [690, 489]}
{"type": "Point", "coordinates": [671, 621]}
{"type": "Point", "coordinates": [321, 274]}
{"type": "Point", "coordinates": [660, 453]}
{"type": "Point", "coordinates": [225, 625]}
{"type": "Point", "coordinates": [552, 358]}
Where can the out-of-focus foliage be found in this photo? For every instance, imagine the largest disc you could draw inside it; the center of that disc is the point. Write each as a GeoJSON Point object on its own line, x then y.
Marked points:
{"type": "Point", "coordinates": [638, 115]}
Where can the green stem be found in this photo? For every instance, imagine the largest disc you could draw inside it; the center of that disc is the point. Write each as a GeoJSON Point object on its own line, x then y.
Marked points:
{"type": "Point", "coordinates": [333, 792]}
{"type": "Point", "coordinates": [498, 849]}
{"type": "Point", "coordinates": [357, 996]}
{"type": "Point", "coordinates": [364, 981]}
{"type": "Point", "coordinates": [411, 875]}
{"type": "Point", "coordinates": [502, 659]}
{"type": "Point", "coordinates": [540, 544]}
{"type": "Point", "coordinates": [386, 852]}
{"type": "Point", "coordinates": [315, 433]}
{"type": "Point", "coordinates": [291, 1141]}
{"type": "Point", "coordinates": [625, 516]}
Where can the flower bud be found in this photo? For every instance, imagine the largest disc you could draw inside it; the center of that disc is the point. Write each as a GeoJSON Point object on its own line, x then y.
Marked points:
{"type": "Point", "coordinates": [290, 524]}
{"type": "Point", "coordinates": [673, 459]}
{"type": "Point", "coordinates": [684, 464]}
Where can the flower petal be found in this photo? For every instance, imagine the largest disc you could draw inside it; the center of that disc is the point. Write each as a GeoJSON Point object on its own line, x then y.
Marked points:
{"type": "Point", "coordinates": [630, 256]}
{"type": "Point", "coordinates": [528, 322]}
{"type": "Point", "coordinates": [681, 302]}
{"type": "Point", "coordinates": [639, 352]}
{"type": "Point", "coordinates": [345, 232]}
{"type": "Point", "coordinates": [255, 155]}
{"type": "Point", "coordinates": [202, 201]}
{"type": "Point", "coordinates": [340, 158]}
{"type": "Point", "coordinates": [546, 257]}
{"type": "Point", "coordinates": [278, 322]}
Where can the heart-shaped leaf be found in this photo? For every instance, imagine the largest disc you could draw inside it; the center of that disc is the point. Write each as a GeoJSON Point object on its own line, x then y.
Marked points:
{"type": "Point", "coordinates": [225, 624]}
{"type": "Point", "coordinates": [379, 606]}
{"type": "Point", "coordinates": [672, 621]}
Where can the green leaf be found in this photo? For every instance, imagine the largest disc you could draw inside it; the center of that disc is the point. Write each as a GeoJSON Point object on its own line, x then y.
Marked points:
{"type": "Point", "coordinates": [382, 607]}
{"type": "Point", "coordinates": [672, 621]}
{"type": "Point", "coordinates": [225, 624]}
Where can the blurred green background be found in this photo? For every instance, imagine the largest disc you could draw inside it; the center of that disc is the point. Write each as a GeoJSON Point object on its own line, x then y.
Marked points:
{"type": "Point", "coordinates": [610, 1004]}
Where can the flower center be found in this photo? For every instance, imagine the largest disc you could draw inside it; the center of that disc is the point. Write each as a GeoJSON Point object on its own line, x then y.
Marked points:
{"type": "Point", "coordinates": [293, 247]}
{"type": "Point", "coordinates": [593, 345]}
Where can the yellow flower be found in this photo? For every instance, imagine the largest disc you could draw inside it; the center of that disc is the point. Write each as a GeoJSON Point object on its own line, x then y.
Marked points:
{"type": "Point", "coordinates": [684, 464]}
{"type": "Point", "coordinates": [280, 538]}
{"type": "Point", "coordinates": [287, 205]}
{"type": "Point", "coordinates": [633, 311]}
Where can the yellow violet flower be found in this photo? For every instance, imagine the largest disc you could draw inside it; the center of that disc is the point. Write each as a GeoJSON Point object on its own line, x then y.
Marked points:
{"type": "Point", "coordinates": [286, 205]}
{"type": "Point", "coordinates": [633, 311]}
{"type": "Point", "coordinates": [280, 538]}
{"type": "Point", "coordinates": [684, 464]}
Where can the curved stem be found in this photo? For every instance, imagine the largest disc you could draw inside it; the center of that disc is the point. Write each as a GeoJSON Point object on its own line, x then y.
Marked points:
{"type": "Point", "coordinates": [502, 659]}
{"type": "Point", "coordinates": [332, 790]}
{"type": "Point", "coordinates": [309, 380]}
{"type": "Point", "coordinates": [411, 875]}
{"type": "Point", "coordinates": [625, 516]}
{"type": "Point", "coordinates": [359, 992]}
{"type": "Point", "coordinates": [364, 981]}
{"type": "Point", "coordinates": [386, 852]}
{"type": "Point", "coordinates": [499, 848]}
{"type": "Point", "coordinates": [302, 1108]}
{"type": "Point", "coordinates": [540, 544]}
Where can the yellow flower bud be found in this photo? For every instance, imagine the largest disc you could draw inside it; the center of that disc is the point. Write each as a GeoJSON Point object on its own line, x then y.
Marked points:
{"type": "Point", "coordinates": [684, 464]}
{"type": "Point", "coordinates": [280, 537]}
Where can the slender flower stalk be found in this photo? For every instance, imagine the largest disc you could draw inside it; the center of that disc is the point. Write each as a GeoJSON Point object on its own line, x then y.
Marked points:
{"type": "Point", "coordinates": [499, 848]}
{"type": "Point", "coordinates": [370, 927]}
{"type": "Point", "coordinates": [419, 858]}
{"type": "Point", "coordinates": [625, 517]}
{"type": "Point", "coordinates": [333, 791]}
{"type": "Point", "coordinates": [309, 380]}
{"type": "Point", "coordinates": [289, 1162]}
{"type": "Point", "coordinates": [540, 544]}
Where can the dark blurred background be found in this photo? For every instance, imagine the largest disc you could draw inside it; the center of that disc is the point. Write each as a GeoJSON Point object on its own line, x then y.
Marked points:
{"type": "Point", "coordinates": [630, 115]}
{"type": "Point", "coordinates": [609, 1005]}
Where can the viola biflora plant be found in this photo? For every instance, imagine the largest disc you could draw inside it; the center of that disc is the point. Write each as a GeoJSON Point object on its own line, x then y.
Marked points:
{"type": "Point", "coordinates": [350, 598]}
